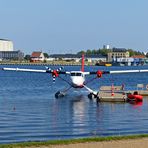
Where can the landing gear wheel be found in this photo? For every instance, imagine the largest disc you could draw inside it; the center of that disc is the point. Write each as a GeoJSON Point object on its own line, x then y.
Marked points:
{"type": "Point", "coordinates": [59, 94]}
{"type": "Point", "coordinates": [91, 96]}
{"type": "Point", "coordinates": [98, 99]}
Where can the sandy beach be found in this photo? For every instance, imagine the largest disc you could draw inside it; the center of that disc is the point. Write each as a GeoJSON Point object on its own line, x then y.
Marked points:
{"type": "Point", "coordinates": [130, 143]}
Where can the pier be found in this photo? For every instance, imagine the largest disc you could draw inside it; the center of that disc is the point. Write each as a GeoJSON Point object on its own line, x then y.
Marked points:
{"type": "Point", "coordinates": [117, 94]}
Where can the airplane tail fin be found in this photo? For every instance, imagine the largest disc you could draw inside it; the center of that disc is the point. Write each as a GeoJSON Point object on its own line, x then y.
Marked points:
{"type": "Point", "coordinates": [82, 66]}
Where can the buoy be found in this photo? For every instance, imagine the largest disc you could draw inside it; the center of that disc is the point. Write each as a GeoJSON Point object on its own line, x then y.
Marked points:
{"type": "Point", "coordinates": [135, 97]}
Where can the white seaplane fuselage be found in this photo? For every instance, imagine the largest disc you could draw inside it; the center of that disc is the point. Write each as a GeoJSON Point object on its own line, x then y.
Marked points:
{"type": "Point", "coordinates": [77, 78]}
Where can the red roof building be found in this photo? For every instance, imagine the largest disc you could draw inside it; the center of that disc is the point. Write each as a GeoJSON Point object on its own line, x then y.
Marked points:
{"type": "Point", "coordinates": [138, 56]}
{"type": "Point", "coordinates": [37, 57]}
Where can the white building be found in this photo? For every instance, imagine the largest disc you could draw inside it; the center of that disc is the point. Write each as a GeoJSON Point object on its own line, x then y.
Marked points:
{"type": "Point", "coordinates": [37, 56]}
{"type": "Point", "coordinates": [106, 46]}
{"type": "Point", "coordinates": [6, 45]}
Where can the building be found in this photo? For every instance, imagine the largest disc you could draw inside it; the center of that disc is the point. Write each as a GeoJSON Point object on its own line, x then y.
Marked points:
{"type": "Point", "coordinates": [6, 45]}
{"type": "Point", "coordinates": [140, 60]}
{"type": "Point", "coordinates": [77, 58]}
{"type": "Point", "coordinates": [11, 55]}
{"type": "Point", "coordinates": [37, 57]}
{"type": "Point", "coordinates": [7, 51]}
{"type": "Point", "coordinates": [106, 46]}
{"type": "Point", "coordinates": [117, 53]}
{"type": "Point", "coordinates": [95, 58]}
{"type": "Point", "coordinates": [65, 57]}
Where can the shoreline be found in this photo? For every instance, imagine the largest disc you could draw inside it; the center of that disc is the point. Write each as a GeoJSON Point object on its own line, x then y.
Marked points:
{"type": "Point", "coordinates": [51, 64]}
{"type": "Point", "coordinates": [110, 141]}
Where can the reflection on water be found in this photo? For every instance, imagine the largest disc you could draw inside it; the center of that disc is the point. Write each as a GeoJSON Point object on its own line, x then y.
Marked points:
{"type": "Point", "coordinates": [29, 111]}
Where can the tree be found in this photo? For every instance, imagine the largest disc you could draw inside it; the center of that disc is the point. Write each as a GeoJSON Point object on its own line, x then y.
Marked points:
{"type": "Point", "coordinates": [46, 55]}
{"type": "Point", "coordinates": [81, 52]}
{"type": "Point", "coordinates": [27, 57]}
{"type": "Point", "coordinates": [104, 51]}
{"type": "Point", "coordinates": [133, 52]}
{"type": "Point", "coordinates": [88, 52]}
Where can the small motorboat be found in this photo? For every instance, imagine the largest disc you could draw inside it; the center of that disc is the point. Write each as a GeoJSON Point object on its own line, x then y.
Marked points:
{"type": "Point", "coordinates": [134, 97]}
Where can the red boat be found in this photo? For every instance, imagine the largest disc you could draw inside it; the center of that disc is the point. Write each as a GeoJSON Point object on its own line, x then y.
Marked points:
{"type": "Point", "coordinates": [135, 97]}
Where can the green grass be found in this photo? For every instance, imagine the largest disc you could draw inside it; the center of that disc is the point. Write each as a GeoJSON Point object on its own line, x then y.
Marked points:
{"type": "Point", "coordinates": [71, 141]}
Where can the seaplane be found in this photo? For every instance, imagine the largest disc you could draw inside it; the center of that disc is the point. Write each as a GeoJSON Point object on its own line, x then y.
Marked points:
{"type": "Point", "coordinates": [77, 78]}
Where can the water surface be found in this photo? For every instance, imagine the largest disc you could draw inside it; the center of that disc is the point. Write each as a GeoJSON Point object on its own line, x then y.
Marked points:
{"type": "Point", "coordinates": [30, 112]}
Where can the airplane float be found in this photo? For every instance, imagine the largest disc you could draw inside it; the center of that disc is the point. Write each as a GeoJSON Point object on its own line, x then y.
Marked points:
{"type": "Point", "coordinates": [77, 77]}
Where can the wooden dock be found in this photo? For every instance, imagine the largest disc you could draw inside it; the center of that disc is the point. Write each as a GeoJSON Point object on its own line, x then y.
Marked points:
{"type": "Point", "coordinates": [106, 94]}
{"type": "Point", "coordinates": [108, 97]}
{"type": "Point", "coordinates": [116, 94]}
{"type": "Point", "coordinates": [140, 92]}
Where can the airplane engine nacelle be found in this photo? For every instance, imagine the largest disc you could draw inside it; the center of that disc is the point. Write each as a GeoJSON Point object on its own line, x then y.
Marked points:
{"type": "Point", "coordinates": [55, 73]}
{"type": "Point", "coordinates": [99, 74]}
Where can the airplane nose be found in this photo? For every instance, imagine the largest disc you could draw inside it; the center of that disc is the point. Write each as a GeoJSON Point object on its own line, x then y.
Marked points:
{"type": "Point", "coordinates": [77, 81]}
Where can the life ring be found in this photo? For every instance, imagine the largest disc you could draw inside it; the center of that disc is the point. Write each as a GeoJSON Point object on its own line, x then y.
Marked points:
{"type": "Point", "coordinates": [147, 86]}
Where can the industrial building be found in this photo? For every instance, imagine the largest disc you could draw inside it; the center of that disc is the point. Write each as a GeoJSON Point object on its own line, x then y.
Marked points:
{"type": "Point", "coordinates": [117, 53]}
{"type": "Point", "coordinates": [11, 55]}
{"type": "Point", "coordinates": [6, 45]}
{"type": "Point", "coordinates": [7, 51]}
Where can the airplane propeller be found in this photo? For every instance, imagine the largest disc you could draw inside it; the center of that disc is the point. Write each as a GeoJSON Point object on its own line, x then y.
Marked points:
{"type": "Point", "coordinates": [55, 73]}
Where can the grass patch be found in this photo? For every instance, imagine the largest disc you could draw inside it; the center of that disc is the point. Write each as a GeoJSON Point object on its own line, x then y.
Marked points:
{"type": "Point", "coordinates": [71, 141]}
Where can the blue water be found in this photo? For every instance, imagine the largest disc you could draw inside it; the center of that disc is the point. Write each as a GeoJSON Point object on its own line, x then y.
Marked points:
{"type": "Point", "coordinates": [30, 112]}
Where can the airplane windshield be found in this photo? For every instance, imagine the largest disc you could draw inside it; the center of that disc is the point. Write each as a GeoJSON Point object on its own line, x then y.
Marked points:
{"type": "Point", "coordinates": [75, 74]}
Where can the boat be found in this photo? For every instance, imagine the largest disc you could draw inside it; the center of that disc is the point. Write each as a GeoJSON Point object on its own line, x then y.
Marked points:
{"type": "Point", "coordinates": [134, 97]}
{"type": "Point", "coordinates": [108, 64]}
{"type": "Point", "coordinates": [103, 64]}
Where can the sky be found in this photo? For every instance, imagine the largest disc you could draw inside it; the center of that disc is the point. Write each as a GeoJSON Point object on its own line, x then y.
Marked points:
{"type": "Point", "coordinates": [68, 26]}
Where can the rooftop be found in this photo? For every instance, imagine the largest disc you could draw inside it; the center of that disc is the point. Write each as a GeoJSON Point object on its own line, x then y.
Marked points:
{"type": "Point", "coordinates": [138, 56]}
{"type": "Point", "coordinates": [75, 56]}
{"type": "Point", "coordinates": [36, 54]}
{"type": "Point", "coordinates": [119, 50]}
{"type": "Point", "coordinates": [4, 40]}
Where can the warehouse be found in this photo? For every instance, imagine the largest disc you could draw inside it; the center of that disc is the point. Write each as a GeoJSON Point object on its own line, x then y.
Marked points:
{"type": "Point", "coordinates": [7, 51]}
{"type": "Point", "coordinates": [6, 45]}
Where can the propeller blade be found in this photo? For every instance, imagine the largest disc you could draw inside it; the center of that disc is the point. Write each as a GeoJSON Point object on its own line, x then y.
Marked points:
{"type": "Point", "coordinates": [59, 69]}
{"type": "Point", "coordinates": [49, 69]}
{"type": "Point", "coordinates": [55, 73]}
{"type": "Point", "coordinates": [53, 78]}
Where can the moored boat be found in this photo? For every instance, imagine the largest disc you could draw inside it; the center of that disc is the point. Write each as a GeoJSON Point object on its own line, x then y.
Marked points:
{"type": "Point", "coordinates": [135, 97]}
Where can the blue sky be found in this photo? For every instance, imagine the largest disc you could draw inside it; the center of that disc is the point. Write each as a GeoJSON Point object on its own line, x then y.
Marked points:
{"type": "Point", "coordinates": [68, 26]}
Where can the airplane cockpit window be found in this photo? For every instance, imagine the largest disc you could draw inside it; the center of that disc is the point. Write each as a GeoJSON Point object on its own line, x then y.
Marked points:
{"type": "Point", "coordinates": [72, 74]}
{"type": "Point", "coordinates": [76, 74]}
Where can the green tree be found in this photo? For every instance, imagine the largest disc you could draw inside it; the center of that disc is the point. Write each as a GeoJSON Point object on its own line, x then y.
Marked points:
{"type": "Point", "coordinates": [46, 55]}
{"type": "Point", "coordinates": [88, 52]}
{"type": "Point", "coordinates": [133, 52]}
{"type": "Point", "coordinates": [81, 52]}
{"type": "Point", "coordinates": [104, 51]}
{"type": "Point", "coordinates": [27, 57]}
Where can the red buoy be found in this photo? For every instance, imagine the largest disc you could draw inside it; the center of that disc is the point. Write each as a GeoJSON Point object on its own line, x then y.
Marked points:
{"type": "Point", "coordinates": [135, 97]}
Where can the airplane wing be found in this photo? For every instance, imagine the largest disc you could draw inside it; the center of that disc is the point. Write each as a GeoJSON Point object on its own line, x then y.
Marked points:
{"type": "Point", "coordinates": [54, 73]}
{"type": "Point", "coordinates": [128, 71]}
{"type": "Point", "coordinates": [99, 73]}
{"type": "Point", "coordinates": [24, 70]}
{"type": "Point", "coordinates": [35, 70]}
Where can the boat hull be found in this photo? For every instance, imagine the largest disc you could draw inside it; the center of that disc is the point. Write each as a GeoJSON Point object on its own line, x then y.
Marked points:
{"type": "Point", "coordinates": [137, 98]}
